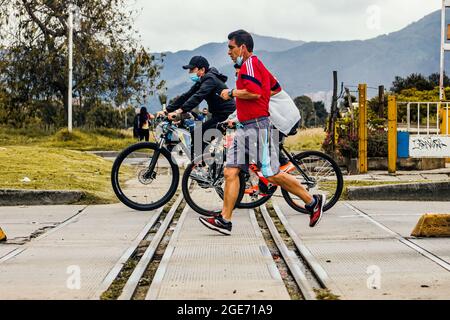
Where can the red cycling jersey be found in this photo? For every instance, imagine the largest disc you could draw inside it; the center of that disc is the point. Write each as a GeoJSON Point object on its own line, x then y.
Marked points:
{"type": "Point", "coordinates": [255, 78]}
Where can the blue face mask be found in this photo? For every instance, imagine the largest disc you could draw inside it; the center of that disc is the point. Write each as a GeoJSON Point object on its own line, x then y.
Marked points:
{"type": "Point", "coordinates": [194, 77]}
{"type": "Point", "coordinates": [240, 60]}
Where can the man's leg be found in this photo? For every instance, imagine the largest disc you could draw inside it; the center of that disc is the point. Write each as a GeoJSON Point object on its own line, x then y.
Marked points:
{"type": "Point", "coordinates": [222, 223]}
{"type": "Point", "coordinates": [231, 192]}
{"type": "Point", "coordinates": [291, 185]}
{"type": "Point", "coordinates": [313, 204]}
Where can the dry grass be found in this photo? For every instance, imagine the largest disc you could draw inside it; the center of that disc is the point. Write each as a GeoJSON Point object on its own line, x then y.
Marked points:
{"type": "Point", "coordinates": [307, 139]}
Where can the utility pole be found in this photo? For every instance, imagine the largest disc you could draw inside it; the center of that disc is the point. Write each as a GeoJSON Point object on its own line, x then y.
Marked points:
{"type": "Point", "coordinates": [331, 126]}
{"type": "Point", "coordinates": [381, 101]}
{"type": "Point", "coordinates": [69, 95]}
{"type": "Point", "coordinates": [444, 47]}
{"type": "Point", "coordinates": [74, 12]}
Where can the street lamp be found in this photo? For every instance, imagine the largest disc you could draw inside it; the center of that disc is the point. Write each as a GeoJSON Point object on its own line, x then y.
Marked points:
{"type": "Point", "coordinates": [74, 11]}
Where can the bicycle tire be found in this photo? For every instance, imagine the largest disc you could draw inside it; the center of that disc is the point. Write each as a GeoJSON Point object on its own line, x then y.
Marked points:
{"type": "Point", "coordinates": [339, 187]}
{"type": "Point", "coordinates": [115, 177]}
{"type": "Point", "coordinates": [190, 201]}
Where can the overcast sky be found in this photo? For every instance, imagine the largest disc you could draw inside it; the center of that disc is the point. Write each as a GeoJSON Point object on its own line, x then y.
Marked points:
{"type": "Point", "coordinates": [172, 25]}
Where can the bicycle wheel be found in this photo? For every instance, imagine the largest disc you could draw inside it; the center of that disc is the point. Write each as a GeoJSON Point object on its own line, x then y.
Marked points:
{"type": "Point", "coordinates": [255, 193]}
{"type": "Point", "coordinates": [324, 177]}
{"type": "Point", "coordinates": [203, 183]}
{"type": "Point", "coordinates": [138, 188]}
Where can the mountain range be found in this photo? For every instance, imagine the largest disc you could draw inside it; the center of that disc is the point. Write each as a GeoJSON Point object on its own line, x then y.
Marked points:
{"type": "Point", "coordinates": [306, 67]}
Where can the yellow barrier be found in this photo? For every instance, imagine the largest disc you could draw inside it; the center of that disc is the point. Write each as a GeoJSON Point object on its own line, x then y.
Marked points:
{"type": "Point", "coordinates": [433, 225]}
{"type": "Point", "coordinates": [2, 235]}
{"type": "Point", "coordinates": [392, 134]}
{"type": "Point", "coordinates": [362, 129]}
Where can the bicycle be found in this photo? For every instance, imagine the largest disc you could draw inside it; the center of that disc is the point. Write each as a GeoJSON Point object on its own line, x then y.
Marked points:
{"type": "Point", "coordinates": [316, 171]}
{"type": "Point", "coordinates": [145, 176]}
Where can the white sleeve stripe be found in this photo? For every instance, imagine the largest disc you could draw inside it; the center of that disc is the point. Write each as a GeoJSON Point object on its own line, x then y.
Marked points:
{"type": "Point", "coordinates": [250, 67]}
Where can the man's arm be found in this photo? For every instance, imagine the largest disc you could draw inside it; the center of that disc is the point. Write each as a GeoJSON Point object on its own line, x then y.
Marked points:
{"type": "Point", "coordinates": [243, 94]}
{"type": "Point", "coordinates": [205, 89]}
{"type": "Point", "coordinates": [178, 103]}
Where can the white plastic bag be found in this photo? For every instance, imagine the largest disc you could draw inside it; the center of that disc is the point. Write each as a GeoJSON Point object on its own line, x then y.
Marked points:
{"type": "Point", "coordinates": [284, 114]}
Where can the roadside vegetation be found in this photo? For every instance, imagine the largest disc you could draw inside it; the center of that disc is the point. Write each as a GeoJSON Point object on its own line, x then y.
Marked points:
{"type": "Point", "coordinates": [80, 139]}
{"type": "Point", "coordinates": [34, 158]}
{"type": "Point", "coordinates": [306, 139]}
{"type": "Point", "coordinates": [42, 168]}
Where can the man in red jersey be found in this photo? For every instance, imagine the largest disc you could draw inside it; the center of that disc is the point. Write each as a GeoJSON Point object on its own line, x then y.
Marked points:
{"type": "Point", "coordinates": [254, 141]}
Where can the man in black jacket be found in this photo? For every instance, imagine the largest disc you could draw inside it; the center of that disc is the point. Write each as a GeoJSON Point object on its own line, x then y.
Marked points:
{"type": "Point", "coordinates": [209, 83]}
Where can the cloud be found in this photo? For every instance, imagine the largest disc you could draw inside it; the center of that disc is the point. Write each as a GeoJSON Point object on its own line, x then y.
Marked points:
{"type": "Point", "coordinates": [173, 25]}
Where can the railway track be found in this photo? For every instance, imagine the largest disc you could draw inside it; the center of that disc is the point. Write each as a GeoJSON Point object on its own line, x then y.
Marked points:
{"type": "Point", "coordinates": [140, 272]}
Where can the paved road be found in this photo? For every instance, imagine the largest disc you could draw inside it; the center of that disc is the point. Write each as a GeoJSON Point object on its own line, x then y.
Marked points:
{"type": "Point", "coordinates": [366, 245]}
{"type": "Point", "coordinates": [357, 242]}
{"type": "Point", "coordinates": [89, 244]}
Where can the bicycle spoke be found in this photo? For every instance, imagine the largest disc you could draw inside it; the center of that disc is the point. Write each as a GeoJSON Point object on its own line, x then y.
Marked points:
{"type": "Point", "coordinates": [322, 175]}
{"type": "Point", "coordinates": [138, 184]}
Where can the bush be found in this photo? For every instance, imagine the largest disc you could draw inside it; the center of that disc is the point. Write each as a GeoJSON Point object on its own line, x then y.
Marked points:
{"type": "Point", "coordinates": [103, 116]}
{"type": "Point", "coordinates": [377, 145]}
{"type": "Point", "coordinates": [348, 141]}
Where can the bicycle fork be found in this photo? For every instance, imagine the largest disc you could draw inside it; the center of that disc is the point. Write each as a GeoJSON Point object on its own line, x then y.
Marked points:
{"type": "Point", "coordinates": [150, 174]}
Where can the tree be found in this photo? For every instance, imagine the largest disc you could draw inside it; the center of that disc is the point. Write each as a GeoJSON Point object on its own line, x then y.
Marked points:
{"type": "Point", "coordinates": [418, 81]}
{"type": "Point", "coordinates": [109, 63]}
{"type": "Point", "coordinates": [434, 80]}
{"type": "Point", "coordinates": [321, 113]}
{"type": "Point", "coordinates": [306, 108]}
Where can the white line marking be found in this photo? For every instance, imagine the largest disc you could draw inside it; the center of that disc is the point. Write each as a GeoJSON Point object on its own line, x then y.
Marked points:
{"type": "Point", "coordinates": [403, 240]}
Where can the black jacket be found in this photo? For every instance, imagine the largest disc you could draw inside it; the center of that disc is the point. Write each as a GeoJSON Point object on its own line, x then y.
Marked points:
{"type": "Point", "coordinates": [209, 89]}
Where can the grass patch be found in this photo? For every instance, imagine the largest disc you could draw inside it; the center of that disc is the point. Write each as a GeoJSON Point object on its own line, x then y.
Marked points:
{"type": "Point", "coordinates": [325, 294]}
{"type": "Point", "coordinates": [56, 169]}
{"type": "Point", "coordinates": [353, 183]}
{"type": "Point", "coordinates": [79, 139]}
{"type": "Point", "coordinates": [305, 140]}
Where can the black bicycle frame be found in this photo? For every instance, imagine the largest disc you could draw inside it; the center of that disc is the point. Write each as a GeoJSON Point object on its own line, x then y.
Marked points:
{"type": "Point", "coordinates": [155, 157]}
{"type": "Point", "coordinates": [308, 181]}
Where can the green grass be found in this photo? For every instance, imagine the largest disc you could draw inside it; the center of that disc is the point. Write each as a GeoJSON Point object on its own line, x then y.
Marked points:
{"type": "Point", "coordinates": [353, 183]}
{"type": "Point", "coordinates": [56, 169]}
{"type": "Point", "coordinates": [305, 140]}
{"type": "Point", "coordinates": [79, 139]}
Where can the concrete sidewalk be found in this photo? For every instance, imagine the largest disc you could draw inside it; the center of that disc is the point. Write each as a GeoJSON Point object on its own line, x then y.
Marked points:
{"type": "Point", "coordinates": [360, 253]}
{"type": "Point", "coordinates": [202, 264]}
{"type": "Point", "coordinates": [71, 260]}
{"type": "Point", "coordinates": [403, 176]}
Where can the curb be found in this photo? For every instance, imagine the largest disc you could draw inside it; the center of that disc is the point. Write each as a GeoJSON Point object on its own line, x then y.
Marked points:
{"type": "Point", "coordinates": [432, 225]}
{"type": "Point", "coordinates": [38, 197]}
{"type": "Point", "coordinates": [437, 191]}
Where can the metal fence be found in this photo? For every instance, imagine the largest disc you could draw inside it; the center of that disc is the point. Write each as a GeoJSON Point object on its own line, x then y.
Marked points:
{"type": "Point", "coordinates": [424, 118]}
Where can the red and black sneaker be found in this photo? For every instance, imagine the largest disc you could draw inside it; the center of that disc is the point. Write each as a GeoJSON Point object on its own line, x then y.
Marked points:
{"type": "Point", "coordinates": [210, 214]}
{"type": "Point", "coordinates": [217, 224]}
{"type": "Point", "coordinates": [316, 213]}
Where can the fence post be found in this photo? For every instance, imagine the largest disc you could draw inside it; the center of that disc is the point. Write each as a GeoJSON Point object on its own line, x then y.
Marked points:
{"type": "Point", "coordinates": [362, 129]}
{"type": "Point", "coordinates": [336, 134]}
{"type": "Point", "coordinates": [392, 134]}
